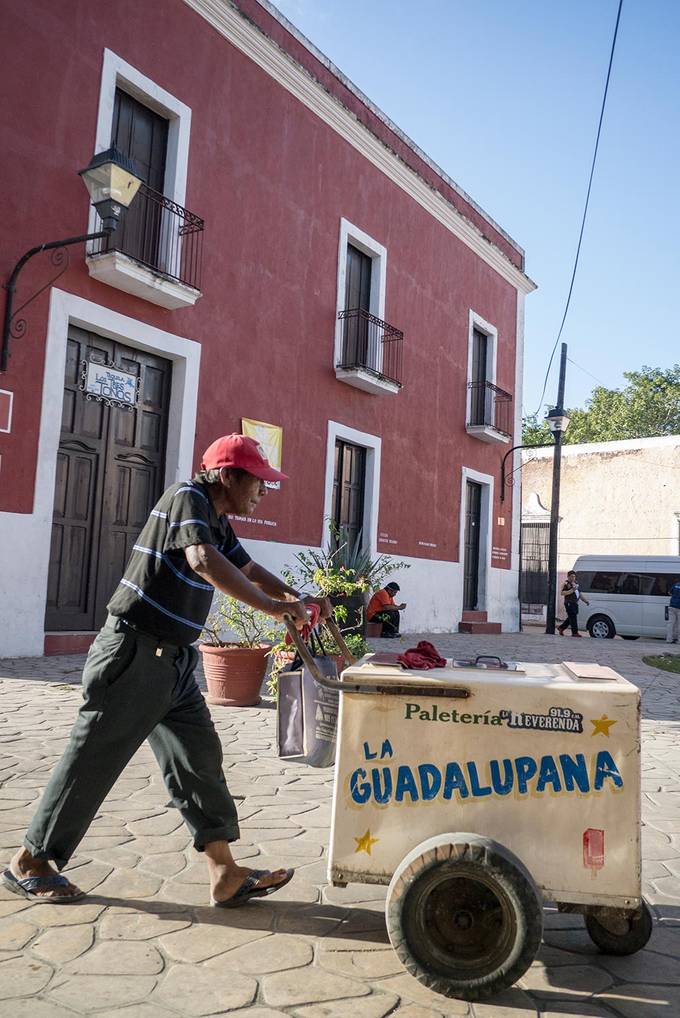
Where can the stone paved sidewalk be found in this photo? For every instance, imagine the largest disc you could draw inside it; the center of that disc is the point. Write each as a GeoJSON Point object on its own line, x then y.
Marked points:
{"type": "Point", "coordinates": [146, 944]}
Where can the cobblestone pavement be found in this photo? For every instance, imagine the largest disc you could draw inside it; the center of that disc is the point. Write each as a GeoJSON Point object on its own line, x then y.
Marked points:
{"type": "Point", "coordinates": [146, 944]}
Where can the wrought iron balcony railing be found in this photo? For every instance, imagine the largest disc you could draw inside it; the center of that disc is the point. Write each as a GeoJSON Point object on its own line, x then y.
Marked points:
{"type": "Point", "coordinates": [161, 235]}
{"type": "Point", "coordinates": [490, 407]}
{"type": "Point", "coordinates": [371, 344]}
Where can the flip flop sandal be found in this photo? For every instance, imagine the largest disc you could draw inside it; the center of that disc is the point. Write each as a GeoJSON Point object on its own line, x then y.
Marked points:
{"type": "Point", "coordinates": [26, 887]}
{"type": "Point", "coordinates": [249, 889]}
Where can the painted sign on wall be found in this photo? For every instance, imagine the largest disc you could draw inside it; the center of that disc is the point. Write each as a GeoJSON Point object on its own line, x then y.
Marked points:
{"type": "Point", "coordinates": [270, 437]}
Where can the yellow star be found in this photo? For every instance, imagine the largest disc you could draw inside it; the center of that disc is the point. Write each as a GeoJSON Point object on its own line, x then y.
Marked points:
{"type": "Point", "coordinates": [365, 842]}
{"type": "Point", "coordinates": [601, 725]}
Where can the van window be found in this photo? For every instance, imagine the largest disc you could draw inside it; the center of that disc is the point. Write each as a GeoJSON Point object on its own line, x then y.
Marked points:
{"type": "Point", "coordinates": [604, 583]}
{"type": "Point", "coordinates": [650, 584]}
{"type": "Point", "coordinates": [629, 584]}
{"type": "Point", "coordinates": [662, 583]}
{"type": "Point", "coordinates": [610, 583]}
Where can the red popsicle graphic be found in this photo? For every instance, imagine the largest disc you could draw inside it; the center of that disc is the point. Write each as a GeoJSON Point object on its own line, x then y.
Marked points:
{"type": "Point", "coordinates": [593, 850]}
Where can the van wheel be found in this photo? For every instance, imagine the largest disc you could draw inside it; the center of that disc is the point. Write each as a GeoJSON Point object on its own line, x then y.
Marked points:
{"type": "Point", "coordinates": [464, 915]}
{"type": "Point", "coordinates": [630, 637]}
{"type": "Point", "coordinates": [601, 627]}
{"type": "Point", "coordinates": [620, 934]}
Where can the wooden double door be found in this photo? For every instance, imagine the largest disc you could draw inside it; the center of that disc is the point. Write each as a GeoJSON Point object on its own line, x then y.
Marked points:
{"type": "Point", "coordinates": [110, 473]}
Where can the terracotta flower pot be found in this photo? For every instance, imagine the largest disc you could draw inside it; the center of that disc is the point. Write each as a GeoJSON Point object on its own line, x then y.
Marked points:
{"type": "Point", "coordinates": [234, 674]}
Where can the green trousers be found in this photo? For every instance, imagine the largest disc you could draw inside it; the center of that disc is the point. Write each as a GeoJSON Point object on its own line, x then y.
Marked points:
{"type": "Point", "coordinates": [135, 688]}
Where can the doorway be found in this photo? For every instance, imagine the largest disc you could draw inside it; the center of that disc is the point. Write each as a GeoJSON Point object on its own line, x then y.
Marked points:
{"type": "Point", "coordinates": [142, 135]}
{"type": "Point", "coordinates": [349, 487]}
{"type": "Point", "coordinates": [110, 472]}
{"type": "Point", "coordinates": [358, 299]}
{"type": "Point", "coordinates": [473, 519]}
{"type": "Point", "coordinates": [535, 542]}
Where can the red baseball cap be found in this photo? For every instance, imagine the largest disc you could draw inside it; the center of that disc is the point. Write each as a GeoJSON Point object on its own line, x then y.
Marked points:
{"type": "Point", "coordinates": [242, 452]}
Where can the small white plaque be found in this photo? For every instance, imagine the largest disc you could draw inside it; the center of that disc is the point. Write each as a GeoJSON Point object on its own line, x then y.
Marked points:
{"type": "Point", "coordinates": [110, 384]}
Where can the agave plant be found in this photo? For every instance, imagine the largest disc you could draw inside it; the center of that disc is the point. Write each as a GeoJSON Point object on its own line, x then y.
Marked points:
{"type": "Point", "coordinates": [343, 567]}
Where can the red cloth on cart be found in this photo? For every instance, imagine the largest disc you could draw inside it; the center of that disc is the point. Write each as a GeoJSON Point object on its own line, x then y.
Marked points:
{"type": "Point", "coordinates": [422, 657]}
{"type": "Point", "coordinates": [314, 616]}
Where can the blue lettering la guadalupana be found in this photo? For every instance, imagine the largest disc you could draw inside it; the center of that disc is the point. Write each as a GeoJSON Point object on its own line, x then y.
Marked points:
{"type": "Point", "coordinates": [522, 775]}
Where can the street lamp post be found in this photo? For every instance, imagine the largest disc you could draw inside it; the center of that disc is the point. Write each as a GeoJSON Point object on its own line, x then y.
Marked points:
{"type": "Point", "coordinates": [558, 422]}
{"type": "Point", "coordinates": [112, 182]}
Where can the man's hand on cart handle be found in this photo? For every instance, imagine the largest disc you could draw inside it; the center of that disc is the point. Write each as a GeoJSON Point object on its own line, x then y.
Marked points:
{"type": "Point", "coordinates": [323, 603]}
{"type": "Point", "coordinates": [294, 611]}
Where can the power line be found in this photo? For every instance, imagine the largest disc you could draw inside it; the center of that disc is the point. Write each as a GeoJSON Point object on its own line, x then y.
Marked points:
{"type": "Point", "coordinates": [585, 209]}
{"type": "Point", "coordinates": [586, 372]}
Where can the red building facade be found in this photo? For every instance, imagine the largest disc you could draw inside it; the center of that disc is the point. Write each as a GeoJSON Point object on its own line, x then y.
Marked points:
{"type": "Point", "coordinates": [275, 198]}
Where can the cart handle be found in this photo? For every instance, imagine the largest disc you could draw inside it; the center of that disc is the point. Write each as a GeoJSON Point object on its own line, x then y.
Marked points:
{"type": "Point", "coordinates": [303, 649]}
{"type": "Point", "coordinates": [490, 657]}
{"type": "Point", "coordinates": [453, 692]}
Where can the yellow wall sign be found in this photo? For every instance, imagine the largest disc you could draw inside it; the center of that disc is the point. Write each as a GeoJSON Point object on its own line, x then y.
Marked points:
{"type": "Point", "coordinates": [270, 437]}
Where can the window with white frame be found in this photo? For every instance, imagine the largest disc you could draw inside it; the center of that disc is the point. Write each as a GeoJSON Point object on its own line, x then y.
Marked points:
{"type": "Point", "coordinates": [362, 270]}
{"type": "Point", "coordinates": [352, 485]}
{"type": "Point", "coordinates": [488, 408]}
{"type": "Point", "coordinates": [156, 252]}
{"type": "Point", "coordinates": [119, 76]}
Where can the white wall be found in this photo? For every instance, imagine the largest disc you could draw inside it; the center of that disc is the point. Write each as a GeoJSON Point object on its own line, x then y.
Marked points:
{"type": "Point", "coordinates": [616, 498]}
{"type": "Point", "coordinates": [433, 590]}
{"type": "Point", "coordinates": [25, 539]}
{"type": "Point", "coordinates": [25, 543]}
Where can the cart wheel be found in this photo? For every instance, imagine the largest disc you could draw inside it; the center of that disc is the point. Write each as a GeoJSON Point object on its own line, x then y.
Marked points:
{"type": "Point", "coordinates": [622, 934]}
{"type": "Point", "coordinates": [464, 915]}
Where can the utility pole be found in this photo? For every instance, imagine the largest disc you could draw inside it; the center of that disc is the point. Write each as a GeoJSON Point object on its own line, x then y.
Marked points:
{"type": "Point", "coordinates": [556, 419]}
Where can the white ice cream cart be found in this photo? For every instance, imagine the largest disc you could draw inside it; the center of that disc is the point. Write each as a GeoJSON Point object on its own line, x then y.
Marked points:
{"type": "Point", "coordinates": [477, 792]}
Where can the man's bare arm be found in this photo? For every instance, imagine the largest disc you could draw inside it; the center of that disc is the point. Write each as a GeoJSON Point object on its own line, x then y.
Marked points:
{"type": "Point", "coordinates": [276, 587]}
{"type": "Point", "coordinates": [268, 582]}
{"type": "Point", "coordinates": [209, 563]}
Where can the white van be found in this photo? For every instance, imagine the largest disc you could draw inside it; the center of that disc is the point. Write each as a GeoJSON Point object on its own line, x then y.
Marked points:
{"type": "Point", "coordinates": [628, 594]}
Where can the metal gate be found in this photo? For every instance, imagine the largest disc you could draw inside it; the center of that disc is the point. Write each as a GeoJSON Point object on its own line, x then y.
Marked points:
{"type": "Point", "coordinates": [533, 589]}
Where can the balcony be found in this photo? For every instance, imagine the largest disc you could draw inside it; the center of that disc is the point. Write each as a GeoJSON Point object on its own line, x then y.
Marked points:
{"type": "Point", "coordinates": [490, 413]}
{"type": "Point", "coordinates": [370, 353]}
{"type": "Point", "coordinates": [155, 254]}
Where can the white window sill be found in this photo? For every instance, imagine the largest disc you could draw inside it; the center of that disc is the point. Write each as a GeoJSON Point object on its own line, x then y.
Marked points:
{"type": "Point", "coordinates": [361, 379]}
{"type": "Point", "coordinates": [123, 272]}
{"type": "Point", "coordinates": [485, 433]}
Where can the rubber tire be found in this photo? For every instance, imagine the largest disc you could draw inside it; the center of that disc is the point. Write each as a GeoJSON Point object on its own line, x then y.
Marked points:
{"type": "Point", "coordinates": [601, 618]}
{"type": "Point", "coordinates": [627, 943]}
{"type": "Point", "coordinates": [630, 637]}
{"type": "Point", "coordinates": [478, 857]}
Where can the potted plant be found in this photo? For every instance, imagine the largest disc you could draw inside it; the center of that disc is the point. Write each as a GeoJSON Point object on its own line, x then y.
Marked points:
{"type": "Point", "coordinates": [344, 572]}
{"type": "Point", "coordinates": [235, 644]}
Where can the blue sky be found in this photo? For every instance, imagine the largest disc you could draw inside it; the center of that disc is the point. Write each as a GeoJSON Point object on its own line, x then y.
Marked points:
{"type": "Point", "coordinates": [505, 96]}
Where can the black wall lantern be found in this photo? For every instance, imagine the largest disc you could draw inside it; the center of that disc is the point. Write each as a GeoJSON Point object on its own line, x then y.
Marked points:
{"type": "Point", "coordinates": [112, 182]}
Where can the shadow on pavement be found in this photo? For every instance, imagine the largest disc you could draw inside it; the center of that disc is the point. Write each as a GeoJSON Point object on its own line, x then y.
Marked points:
{"type": "Point", "coordinates": [360, 924]}
{"type": "Point", "coordinates": [570, 976]}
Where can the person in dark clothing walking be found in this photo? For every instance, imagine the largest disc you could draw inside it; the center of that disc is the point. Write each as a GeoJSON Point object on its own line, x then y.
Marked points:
{"type": "Point", "coordinates": [138, 680]}
{"type": "Point", "coordinates": [572, 596]}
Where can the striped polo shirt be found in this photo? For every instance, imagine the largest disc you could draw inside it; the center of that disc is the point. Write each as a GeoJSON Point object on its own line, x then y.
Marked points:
{"type": "Point", "coordinates": [159, 592]}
